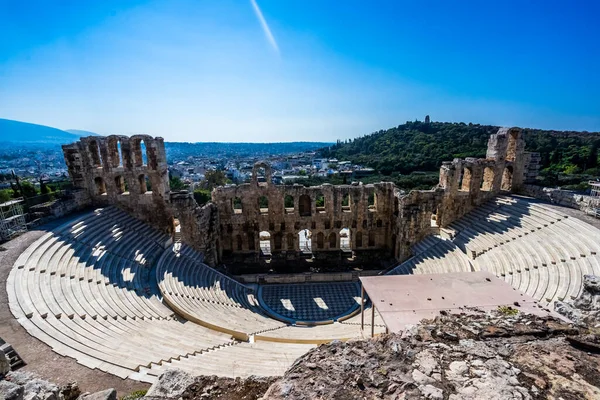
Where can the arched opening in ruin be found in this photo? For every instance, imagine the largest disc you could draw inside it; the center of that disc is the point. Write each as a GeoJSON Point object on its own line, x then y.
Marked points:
{"type": "Point", "coordinates": [236, 205]}
{"type": "Point", "coordinates": [465, 180]}
{"type": "Point", "coordinates": [263, 204]}
{"type": "Point", "coordinates": [332, 241]}
{"type": "Point", "coordinates": [345, 243]}
{"type": "Point", "coordinates": [396, 206]}
{"type": "Point", "coordinates": [359, 242]}
{"type": "Point", "coordinates": [100, 185]}
{"type": "Point", "coordinates": [320, 241]}
{"type": "Point", "coordinates": [120, 152]}
{"type": "Point", "coordinates": [320, 202]}
{"type": "Point", "coordinates": [487, 181]}
{"type": "Point", "coordinates": [371, 239]}
{"type": "Point", "coordinates": [507, 177]}
{"type": "Point", "coordinates": [94, 149]}
{"type": "Point", "coordinates": [251, 244]}
{"type": "Point", "coordinates": [304, 205]}
{"type": "Point", "coordinates": [434, 219]}
{"type": "Point", "coordinates": [265, 243]}
{"type": "Point", "coordinates": [239, 242]}
{"type": "Point", "coordinates": [288, 204]}
{"type": "Point", "coordinates": [261, 176]}
{"type": "Point", "coordinates": [346, 203]}
{"type": "Point", "coordinates": [120, 184]}
{"type": "Point", "coordinates": [278, 241]}
{"type": "Point", "coordinates": [305, 241]}
{"type": "Point", "coordinates": [372, 202]}
{"type": "Point", "coordinates": [290, 242]}
{"type": "Point", "coordinates": [144, 153]}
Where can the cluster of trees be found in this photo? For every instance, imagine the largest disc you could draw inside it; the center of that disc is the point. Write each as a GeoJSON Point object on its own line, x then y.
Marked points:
{"type": "Point", "coordinates": [401, 151]}
{"type": "Point", "coordinates": [211, 180]}
{"type": "Point", "coordinates": [32, 193]}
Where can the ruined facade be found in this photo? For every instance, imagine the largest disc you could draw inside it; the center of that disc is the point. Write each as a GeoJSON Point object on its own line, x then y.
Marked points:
{"type": "Point", "coordinates": [278, 226]}
{"type": "Point", "coordinates": [128, 172]}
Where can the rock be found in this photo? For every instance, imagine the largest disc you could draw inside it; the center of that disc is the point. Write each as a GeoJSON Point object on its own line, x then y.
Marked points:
{"type": "Point", "coordinates": [171, 384]}
{"type": "Point", "coordinates": [40, 389]}
{"type": "Point", "coordinates": [421, 379]}
{"type": "Point", "coordinates": [585, 310]}
{"type": "Point", "coordinates": [4, 364]}
{"type": "Point", "coordinates": [11, 391]}
{"type": "Point", "coordinates": [70, 391]}
{"type": "Point", "coordinates": [108, 394]}
{"type": "Point", "coordinates": [431, 392]}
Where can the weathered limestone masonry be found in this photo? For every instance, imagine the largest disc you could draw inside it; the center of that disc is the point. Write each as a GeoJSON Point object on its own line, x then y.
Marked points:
{"type": "Point", "coordinates": [249, 211]}
{"type": "Point", "coordinates": [114, 170]}
{"type": "Point", "coordinates": [464, 185]}
{"type": "Point", "coordinates": [261, 223]}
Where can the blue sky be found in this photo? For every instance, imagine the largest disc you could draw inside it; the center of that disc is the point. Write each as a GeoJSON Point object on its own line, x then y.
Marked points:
{"type": "Point", "coordinates": [210, 71]}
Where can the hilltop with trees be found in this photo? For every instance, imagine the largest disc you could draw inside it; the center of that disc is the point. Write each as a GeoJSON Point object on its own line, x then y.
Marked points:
{"type": "Point", "coordinates": [407, 153]}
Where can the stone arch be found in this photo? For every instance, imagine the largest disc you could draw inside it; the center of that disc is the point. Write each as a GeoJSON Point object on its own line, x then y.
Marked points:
{"type": "Point", "coordinates": [120, 184]}
{"type": "Point", "coordinates": [258, 176]}
{"type": "Point", "coordinates": [332, 240]}
{"type": "Point", "coordinates": [507, 177]}
{"type": "Point", "coordinates": [320, 241]}
{"type": "Point", "coordinates": [372, 201]}
{"type": "Point", "coordinates": [320, 202]}
{"type": "Point", "coordinates": [345, 240]}
{"type": "Point", "coordinates": [100, 185]}
{"type": "Point", "coordinates": [288, 204]}
{"type": "Point", "coordinates": [236, 205]}
{"type": "Point", "coordinates": [239, 242]}
{"type": "Point", "coordinates": [251, 244]}
{"type": "Point", "coordinates": [278, 240]}
{"type": "Point", "coordinates": [304, 206]}
{"type": "Point", "coordinates": [346, 203]}
{"type": "Point", "coordinates": [305, 241]}
{"type": "Point", "coordinates": [359, 239]}
{"type": "Point", "coordinates": [94, 149]}
{"type": "Point", "coordinates": [465, 179]}
{"type": "Point", "coordinates": [371, 239]}
{"type": "Point", "coordinates": [263, 204]}
{"type": "Point", "coordinates": [487, 180]}
{"type": "Point", "coordinates": [265, 243]}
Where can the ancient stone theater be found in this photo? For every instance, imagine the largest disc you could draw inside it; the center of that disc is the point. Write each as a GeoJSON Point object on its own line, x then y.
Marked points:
{"type": "Point", "coordinates": [146, 279]}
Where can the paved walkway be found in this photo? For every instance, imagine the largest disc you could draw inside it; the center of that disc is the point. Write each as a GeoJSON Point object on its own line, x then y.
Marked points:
{"type": "Point", "coordinates": [39, 357]}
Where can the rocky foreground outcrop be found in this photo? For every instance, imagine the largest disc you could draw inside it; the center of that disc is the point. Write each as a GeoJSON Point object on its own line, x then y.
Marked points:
{"type": "Point", "coordinates": [499, 355]}
{"type": "Point", "coordinates": [585, 310]}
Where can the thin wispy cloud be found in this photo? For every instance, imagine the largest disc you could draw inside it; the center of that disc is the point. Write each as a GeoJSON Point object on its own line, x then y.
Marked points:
{"type": "Point", "coordinates": [265, 26]}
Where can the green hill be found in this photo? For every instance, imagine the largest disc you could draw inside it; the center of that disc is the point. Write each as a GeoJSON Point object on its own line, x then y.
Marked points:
{"type": "Point", "coordinates": [419, 146]}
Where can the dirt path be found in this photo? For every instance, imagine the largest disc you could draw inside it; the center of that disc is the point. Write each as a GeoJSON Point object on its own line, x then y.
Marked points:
{"type": "Point", "coordinates": [39, 357]}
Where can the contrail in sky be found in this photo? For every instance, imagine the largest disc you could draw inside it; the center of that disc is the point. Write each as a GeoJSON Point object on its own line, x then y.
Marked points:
{"type": "Point", "coordinates": [264, 25]}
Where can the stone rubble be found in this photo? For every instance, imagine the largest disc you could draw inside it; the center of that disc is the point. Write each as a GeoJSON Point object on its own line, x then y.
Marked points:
{"type": "Point", "coordinates": [585, 310]}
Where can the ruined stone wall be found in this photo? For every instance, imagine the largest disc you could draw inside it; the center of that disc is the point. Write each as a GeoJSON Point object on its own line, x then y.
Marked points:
{"type": "Point", "coordinates": [115, 170]}
{"type": "Point", "coordinates": [199, 225]}
{"type": "Point", "coordinates": [366, 210]}
{"type": "Point", "coordinates": [464, 185]}
{"type": "Point", "coordinates": [383, 222]}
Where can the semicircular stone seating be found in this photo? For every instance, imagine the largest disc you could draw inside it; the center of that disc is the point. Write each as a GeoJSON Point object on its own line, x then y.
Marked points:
{"type": "Point", "coordinates": [107, 290]}
{"type": "Point", "coordinates": [538, 250]}
{"type": "Point", "coordinates": [88, 289]}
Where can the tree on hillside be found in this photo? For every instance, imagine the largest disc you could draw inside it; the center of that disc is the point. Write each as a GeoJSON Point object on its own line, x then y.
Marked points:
{"type": "Point", "coordinates": [176, 184]}
{"type": "Point", "coordinates": [213, 179]}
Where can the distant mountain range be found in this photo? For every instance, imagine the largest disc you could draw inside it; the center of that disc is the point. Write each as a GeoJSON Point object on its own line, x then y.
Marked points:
{"type": "Point", "coordinates": [26, 133]}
